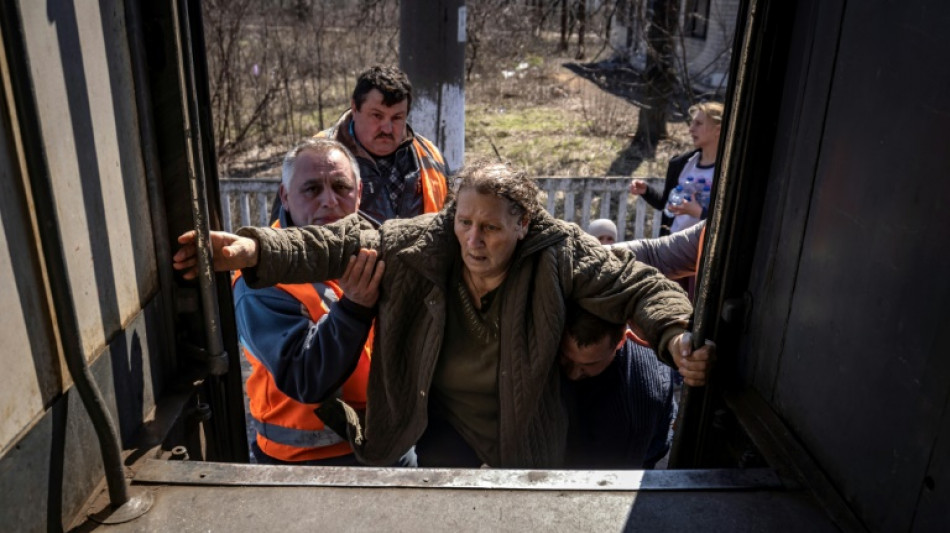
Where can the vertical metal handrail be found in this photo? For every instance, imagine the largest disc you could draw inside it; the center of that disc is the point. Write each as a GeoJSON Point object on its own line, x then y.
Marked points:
{"type": "Point", "coordinates": [197, 179]}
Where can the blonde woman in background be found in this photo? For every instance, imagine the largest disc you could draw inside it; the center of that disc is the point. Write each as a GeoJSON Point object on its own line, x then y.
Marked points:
{"type": "Point", "coordinates": [694, 169]}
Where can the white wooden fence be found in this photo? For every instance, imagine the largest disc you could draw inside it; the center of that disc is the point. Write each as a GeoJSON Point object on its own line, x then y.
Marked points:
{"type": "Point", "coordinates": [247, 202]}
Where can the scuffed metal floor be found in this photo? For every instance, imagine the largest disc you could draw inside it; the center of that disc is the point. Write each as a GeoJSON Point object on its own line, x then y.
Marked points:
{"type": "Point", "coordinates": [194, 496]}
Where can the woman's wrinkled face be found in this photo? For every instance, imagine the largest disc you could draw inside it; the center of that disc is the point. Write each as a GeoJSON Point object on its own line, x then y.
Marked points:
{"type": "Point", "coordinates": [487, 232]}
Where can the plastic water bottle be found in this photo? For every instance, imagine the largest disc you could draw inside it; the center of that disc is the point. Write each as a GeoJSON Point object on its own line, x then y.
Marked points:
{"type": "Point", "coordinates": [703, 197]}
{"type": "Point", "coordinates": [677, 196]}
{"type": "Point", "coordinates": [691, 187]}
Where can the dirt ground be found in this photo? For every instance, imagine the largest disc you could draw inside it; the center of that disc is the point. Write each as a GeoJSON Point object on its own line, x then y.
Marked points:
{"type": "Point", "coordinates": [556, 117]}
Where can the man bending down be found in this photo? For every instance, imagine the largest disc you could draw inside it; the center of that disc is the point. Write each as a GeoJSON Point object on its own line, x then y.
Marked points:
{"type": "Point", "coordinates": [619, 396]}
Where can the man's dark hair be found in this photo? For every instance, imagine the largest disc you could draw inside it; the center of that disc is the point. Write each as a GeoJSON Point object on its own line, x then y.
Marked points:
{"type": "Point", "coordinates": [587, 329]}
{"type": "Point", "coordinates": [392, 82]}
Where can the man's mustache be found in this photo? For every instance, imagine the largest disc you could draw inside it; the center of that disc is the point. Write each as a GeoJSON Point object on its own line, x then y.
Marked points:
{"type": "Point", "coordinates": [386, 136]}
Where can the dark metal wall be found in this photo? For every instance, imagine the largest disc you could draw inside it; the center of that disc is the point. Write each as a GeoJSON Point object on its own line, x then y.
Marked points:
{"type": "Point", "coordinates": [849, 281]}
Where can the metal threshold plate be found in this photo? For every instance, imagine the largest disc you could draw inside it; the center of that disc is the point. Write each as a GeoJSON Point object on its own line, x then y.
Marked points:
{"type": "Point", "coordinates": [228, 474]}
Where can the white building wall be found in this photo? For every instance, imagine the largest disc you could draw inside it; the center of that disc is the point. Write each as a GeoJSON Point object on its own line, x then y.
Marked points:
{"type": "Point", "coordinates": [707, 59]}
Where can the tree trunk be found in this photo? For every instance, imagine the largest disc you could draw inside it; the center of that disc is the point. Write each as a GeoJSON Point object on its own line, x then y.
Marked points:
{"type": "Point", "coordinates": [630, 21]}
{"type": "Point", "coordinates": [542, 15]}
{"type": "Point", "coordinates": [581, 27]}
{"type": "Point", "coordinates": [658, 76]}
{"type": "Point", "coordinates": [562, 47]}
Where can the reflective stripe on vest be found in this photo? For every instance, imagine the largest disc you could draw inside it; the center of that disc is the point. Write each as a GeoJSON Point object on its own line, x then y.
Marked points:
{"type": "Point", "coordinates": [289, 430]}
{"type": "Point", "coordinates": [268, 403]}
{"type": "Point", "coordinates": [299, 438]}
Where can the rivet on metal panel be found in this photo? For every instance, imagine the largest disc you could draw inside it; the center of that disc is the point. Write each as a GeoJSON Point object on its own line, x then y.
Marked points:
{"type": "Point", "coordinates": [179, 453]}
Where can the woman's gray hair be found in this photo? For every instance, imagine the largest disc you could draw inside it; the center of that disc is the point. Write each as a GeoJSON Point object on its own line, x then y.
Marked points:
{"type": "Point", "coordinates": [319, 146]}
{"type": "Point", "coordinates": [490, 176]}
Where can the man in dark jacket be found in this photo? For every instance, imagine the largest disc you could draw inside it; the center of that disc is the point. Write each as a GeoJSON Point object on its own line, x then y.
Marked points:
{"type": "Point", "coordinates": [619, 397]}
{"type": "Point", "coordinates": [403, 173]}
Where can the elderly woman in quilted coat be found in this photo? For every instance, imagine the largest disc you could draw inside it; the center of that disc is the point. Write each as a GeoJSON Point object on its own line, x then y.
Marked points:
{"type": "Point", "coordinates": [469, 318]}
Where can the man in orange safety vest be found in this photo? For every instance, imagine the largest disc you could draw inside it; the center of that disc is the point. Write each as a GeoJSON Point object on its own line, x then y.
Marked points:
{"type": "Point", "coordinates": [309, 342]}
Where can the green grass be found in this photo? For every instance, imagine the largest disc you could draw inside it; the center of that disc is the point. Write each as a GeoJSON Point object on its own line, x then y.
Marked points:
{"type": "Point", "coordinates": [498, 119]}
{"type": "Point", "coordinates": [546, 139]}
